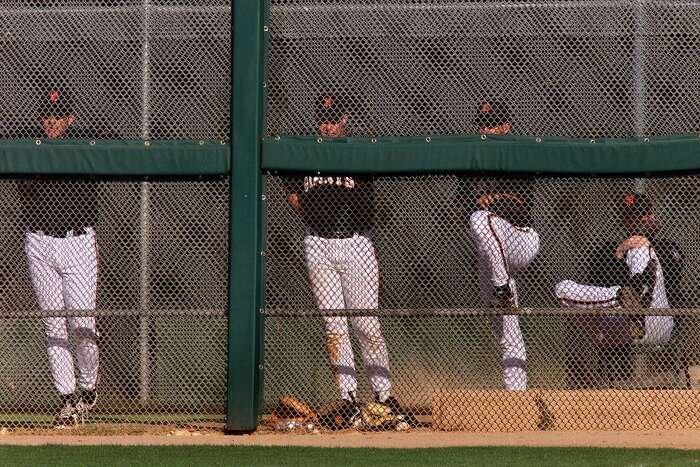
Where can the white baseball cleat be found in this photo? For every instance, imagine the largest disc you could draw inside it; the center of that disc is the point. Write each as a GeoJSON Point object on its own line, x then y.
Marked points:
{"type": "Point", "coordinates": [88, 400]}
{"type": "Point", "coordinates": [67, 417]}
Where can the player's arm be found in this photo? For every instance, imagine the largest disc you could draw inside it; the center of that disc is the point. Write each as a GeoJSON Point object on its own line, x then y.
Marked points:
{"type": "Point", "coordinates": [294, 186]}
{"type": "Point", "coordinates": [508, 206]}
{"type": "Point", "coordinates": [642, 276]}
{"type": "Point", "coordinates": [492, 199]}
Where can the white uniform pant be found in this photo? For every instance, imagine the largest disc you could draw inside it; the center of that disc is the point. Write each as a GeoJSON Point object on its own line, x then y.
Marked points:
{"type": "Point", "coordinates": [64, 276]}
{"type": "Point", "coordinates": [344, 274]}
{"type": "Point", "coordinates": [504, 249]}
{"type": "Point", "coordinates": [657, 329]}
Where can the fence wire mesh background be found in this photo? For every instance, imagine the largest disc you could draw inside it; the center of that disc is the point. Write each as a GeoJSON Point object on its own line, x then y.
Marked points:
{"type": "Point", "coordinates": [128, 69]}
{"type": "Point", "coordinates": [586, 369]}
{"type": "Point", "coordinates": [161, 300]}
{"type": "Point", "coordinates": [420, 67]}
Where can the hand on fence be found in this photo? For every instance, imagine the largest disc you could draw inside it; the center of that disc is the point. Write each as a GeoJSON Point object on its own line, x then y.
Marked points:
{"type": "Point", "coordinates": [293, 199]}
{"type": "Point", "coordinates": [334, 130]}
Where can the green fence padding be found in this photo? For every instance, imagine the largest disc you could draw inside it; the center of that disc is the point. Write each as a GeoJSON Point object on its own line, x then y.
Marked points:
{"type": "Point", "coordinates": [111, 157]}
{"type": "Point", "coordinates": [489, 154]}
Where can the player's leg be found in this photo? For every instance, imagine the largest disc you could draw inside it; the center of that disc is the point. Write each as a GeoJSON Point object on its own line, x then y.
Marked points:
{"type": "Point", "coordinates": [80, 274]}
{"type": "Point", "coordinates": [503, 248]}
{"type": "Point", "coordinates": [321, 254]}
{"type": "Point", "coordinates": [657, 329]}
{"type": "Point", "coordinates": [47, 287]}
{"type": "Point", "coordinates": [573, 294]}
{"type": "Point", "coordinates": [46, 283]}
{"type": "Point", "coordinates": [506, 328]}
{"type": "Point", "coordinates": [361, 291]}
{"type": "Point", "coordinates": [490, 247]}
{"type": "Point", "coordinates": [360, 280]}
{"type": "Point", "coordinates": [507, 331]}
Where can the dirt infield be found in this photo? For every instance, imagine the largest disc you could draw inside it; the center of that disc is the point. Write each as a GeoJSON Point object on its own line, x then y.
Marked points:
{"type": "Point", "coordinates": [415, 439]}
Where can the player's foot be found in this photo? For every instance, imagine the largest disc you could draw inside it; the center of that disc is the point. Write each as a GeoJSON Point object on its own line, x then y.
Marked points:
{"type": "Point", "coordinates": [399, 412]}
{"type": "Point", "coordinates": [67, 416]}
{"type": "Point", "coordinates": [503, 297]}
{"type": "Point", "coordinates": [340, 414]}
{"type": "Point", "coordinates": [88, 400]}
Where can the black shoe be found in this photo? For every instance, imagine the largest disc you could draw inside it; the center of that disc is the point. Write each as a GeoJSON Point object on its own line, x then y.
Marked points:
{"type": "Point", "coordinates": [88, 400]}
{"type": "Point", "coordinates": [503, 297]}
{"type": "Point", "coordinates": [401, 414]}
{"type": "Point", "coordinates": [67, 416]}
{"type": "Point", "coordinates": [339, 415]}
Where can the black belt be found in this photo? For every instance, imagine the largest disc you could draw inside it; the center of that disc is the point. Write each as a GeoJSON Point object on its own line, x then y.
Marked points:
{"type": "Point", "coordinates": [61, 233]}
{"type": "Point", "coordinates": [339, 234]}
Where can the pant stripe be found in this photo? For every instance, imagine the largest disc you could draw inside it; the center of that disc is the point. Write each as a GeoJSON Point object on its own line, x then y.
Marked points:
{"type": "Point", "coordinates": [94, 301]}
{"type": "Point", "coordinates": [500, 247]}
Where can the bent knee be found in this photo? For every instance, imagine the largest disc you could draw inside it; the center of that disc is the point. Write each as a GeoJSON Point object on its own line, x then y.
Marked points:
{"type": "Point", "coordinates": [478, 220]}
{"type": "Point", "coordinates": [561, 290]}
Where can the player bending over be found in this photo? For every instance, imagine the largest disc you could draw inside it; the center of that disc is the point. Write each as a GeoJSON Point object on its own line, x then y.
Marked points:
{"type": "Point", "coordinates": [504, 246]}
{"type": "Point", "coordinates": [338, 212]}
{"type": "Point", "coordinates": [644, 286]}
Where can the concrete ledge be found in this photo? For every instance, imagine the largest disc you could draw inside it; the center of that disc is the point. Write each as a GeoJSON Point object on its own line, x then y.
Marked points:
{"type": "Point", "coordinates": [595, 410]}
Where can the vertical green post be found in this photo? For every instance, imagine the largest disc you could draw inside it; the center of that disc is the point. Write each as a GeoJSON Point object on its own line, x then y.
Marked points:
{"type": "Point", "coordinates": [246, 240]}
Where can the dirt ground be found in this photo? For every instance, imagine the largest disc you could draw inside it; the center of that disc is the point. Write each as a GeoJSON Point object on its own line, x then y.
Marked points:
{"type": "Point", "coordinates": [414, 439]}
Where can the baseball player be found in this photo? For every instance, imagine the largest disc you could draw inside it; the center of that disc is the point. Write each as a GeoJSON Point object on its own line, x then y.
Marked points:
{"type": "Point", "coordinates": [338, 212]}
{"type": "Point", "coordinates": [61, 251]}
{"type": "Point", "coordinates": [505, 245]}
{"type": "Point", "coordinates": [644, 286]}
{"type": "Point", "coordinates": [610, 334]}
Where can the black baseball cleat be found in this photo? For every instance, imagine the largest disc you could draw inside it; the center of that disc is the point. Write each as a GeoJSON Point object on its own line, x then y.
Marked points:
{"type": "Point", "coordinates": [399, 412]}
{"type": "Point", "coordinates": [87, 401]}
{"type": "Point", "coordinates": [503, 297]}
{"type": "Point", "coordinates": [340, 414]}
{"type": "Point", "coordinates": [89, 398]}
{"type": "Point", "coordinates": [67, 417]}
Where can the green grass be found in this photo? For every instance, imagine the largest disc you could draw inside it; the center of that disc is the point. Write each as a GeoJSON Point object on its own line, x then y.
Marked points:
{"type": "Point", "coordinates": [57, 456]}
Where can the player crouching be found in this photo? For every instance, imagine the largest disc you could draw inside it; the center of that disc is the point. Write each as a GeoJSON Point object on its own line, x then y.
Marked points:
{"type": "Point", "coordinates": [645, 285]}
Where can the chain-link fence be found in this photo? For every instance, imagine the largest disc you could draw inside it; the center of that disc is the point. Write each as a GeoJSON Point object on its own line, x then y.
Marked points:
{"type": "Point", "coordinates": [486, 303]}
{"type": "Point", "coordinates": [143, 321]}
{"type": "Point", "coordinates": [124, 69]}
{"type": "Point", "coordinates": [582, 68]}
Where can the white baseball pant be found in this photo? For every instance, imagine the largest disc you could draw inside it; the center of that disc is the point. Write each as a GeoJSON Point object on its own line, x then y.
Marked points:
{"type": "Point", "coordinates": [64, 275]}
{"type": "Point", "coordinates": [503, 250]}
{"type": "Point", "coordinates": [657, 329]}
{"type": "Point", "coordinates": [344, 274]}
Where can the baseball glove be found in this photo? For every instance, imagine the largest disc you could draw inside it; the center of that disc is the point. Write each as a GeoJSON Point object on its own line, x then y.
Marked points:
{"type": "Point", "coordinates": [339, 415]}
{"type": "Point", "coordinates": [292, 409]}
{"type": "Point", "coordinates": [377, 416]}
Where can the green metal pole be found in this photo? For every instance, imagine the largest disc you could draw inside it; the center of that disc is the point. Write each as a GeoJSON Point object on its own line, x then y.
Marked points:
{"type": "Point", "coordinates": [246, 242]}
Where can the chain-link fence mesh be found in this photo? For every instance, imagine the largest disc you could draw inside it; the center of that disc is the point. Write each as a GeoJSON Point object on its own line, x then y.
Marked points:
{"type": "Point", "coordinates": [583, 68]}
{"type": "Point", "coordinates": [419, 263]}
{"type": "Point", "coordinates": [143, 321]}
{"type": "Point", "coordinates": [125, 69]}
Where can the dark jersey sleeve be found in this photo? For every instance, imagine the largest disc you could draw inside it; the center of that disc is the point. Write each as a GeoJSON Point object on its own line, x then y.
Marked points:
{"type": "Point", "coordinates": [515, 209]}
{"type": "Point", "coordinates": [672, 263]}
{"type": "Point", "coordinates": [604, 269]}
